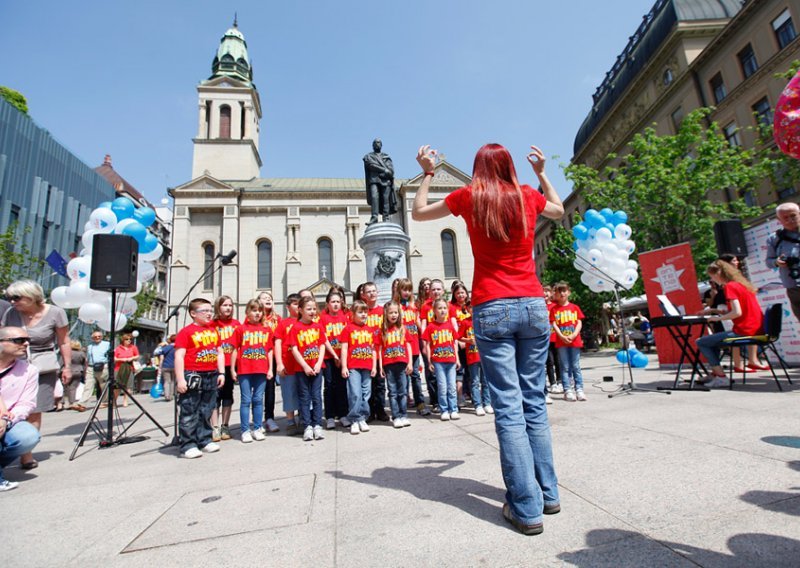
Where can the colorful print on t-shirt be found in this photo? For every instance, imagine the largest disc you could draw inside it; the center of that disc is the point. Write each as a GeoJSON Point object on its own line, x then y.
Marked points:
{"type": "Point", "coordinates": [411, 320]}
{"type": "Point", "coordinates": [360, 342]}
{"type": "Point", "coordinates": [201, 344]}
{"type": "Point", "coordinates": [466, 331]}
{"type": "Point", "coordinates": [226, 329]}
{"type": "Point", "coordinates": [393, 347]}
{"type": "Point", "coordinates": [333, 325]}
{"type": "Point", "coordinates": [441, 337]}
{"type": "Point", "coordinates": [309, 338]}
{"type": "Point", "coordinates": [566, 318]}
{"type": "Point", "coordinates": [253, 344]}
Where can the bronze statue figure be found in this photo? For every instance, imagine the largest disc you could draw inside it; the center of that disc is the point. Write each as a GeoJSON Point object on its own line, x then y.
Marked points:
{"type": "Point", "coordinates": [379, 173]}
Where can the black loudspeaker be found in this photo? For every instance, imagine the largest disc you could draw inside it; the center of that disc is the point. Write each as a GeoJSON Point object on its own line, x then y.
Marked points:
{"type": "Point", "coordinates": [115, 263]}
{"type": "Point", "coordinates": [729, 235]}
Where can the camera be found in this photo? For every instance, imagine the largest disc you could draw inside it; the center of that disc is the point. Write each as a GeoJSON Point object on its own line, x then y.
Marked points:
{"type": "Point", "coordinates": [793, 264]}
{"type": "Point", "coordinates": [192, 381]}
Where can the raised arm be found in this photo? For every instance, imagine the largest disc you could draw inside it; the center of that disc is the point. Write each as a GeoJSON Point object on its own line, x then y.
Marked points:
{"type": "Point", "coordinates": [554, 209]}
{"type": "Point", "coordinates": [422, 211]}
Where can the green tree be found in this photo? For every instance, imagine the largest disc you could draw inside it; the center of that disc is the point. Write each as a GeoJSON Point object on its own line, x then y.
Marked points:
{"type": "Point", "coordinates": [16, 264]}
{"type": "Point", "coordinates": [675, 187]}
{"type": "Point", "coordinates": [144, 301]}
{"type": "Point", "coordinates": [15, 98]}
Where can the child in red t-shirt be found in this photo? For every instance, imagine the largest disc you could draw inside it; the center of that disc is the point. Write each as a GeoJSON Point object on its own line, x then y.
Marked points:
{"type": "Point", "coordinates": [460, 309]}
{"type": "Point", "coordinates": [271, 320]}
{"type": "Point", "coordinates": [395, 362]}
{"type": "Point", "coordinates": [404, 295]}
{"type": "Point", "coordinates": [368, 293]}
{"type": "Point", "coordinates": [199, 372]}
{"type": "Point", "coordinates": [226, 326]}
{"type": "Point", "coordinates": [285, 365]}
{"type": "Point", "coordinates": [567, 322]}
{"type": "Point", "coordinates": [251, 365]}
{"type": "Point", "coordinates": [440, 346]}
{"type": "Point", "coordinates": [553, 368]}
{"type": "Point", "coordinates": [480, 390]}
{"type": "Point", "coordinates": [359, 364]}
{"type": "Point", "coordinates": [308, 343]}
{"type": "Point", "coordinates": [334, 320]}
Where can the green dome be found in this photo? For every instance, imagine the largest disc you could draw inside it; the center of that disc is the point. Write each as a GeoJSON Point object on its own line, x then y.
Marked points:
{"type": "Point", "coordinates": [232, 59]}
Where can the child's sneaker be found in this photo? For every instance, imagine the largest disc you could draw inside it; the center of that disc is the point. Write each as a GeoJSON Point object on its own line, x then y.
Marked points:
{"type": "Point", "coordinates": [455, 416]}
{"type": "Point", "coordinates": [488, 408]}
{"type": "Point", "coordinates": [569, 396]}
{"type": "Point", "coordinates": [211, 447]}
{"type": "Point", "coordinates": [318, 433]}
{"type": "Point", "coordinates": [354, 429]}
{"type": "Point", "coordinates": [422, 410]}
{"type": "Point", "coordinates": [308, 435]}
{"type": "Point", "coordinates": [345, 421]}
{"type": "Point", "coordinates": [272, 426]}
{"type": "Point", "coordinates": [247, 437]}
{"type": "Point", "coordinates": [225, 432]}
{"type": "Point", "coordinates": [547, 399]}
{"type": "Point", "coordinates": [259, 436]}
{"type": "Point", "coordinates": [6, 485]}
{"type": "Point", "coordinates": [556, 389]}
{"type": "Point", "coordinates": [480, 411]}
{"type": "Point", "coordinates": [215, 434]}
{"type": "Point", "coordinates": [581, 395]}
{"type": "Point", "coordinates": [406, 421]}
{"type": "Point", "coordinates": [291, 429]}
{"type": "Point", "coordinates": [192, 453]}
{"type": "Point", "coordinates": [445, 416]}
{"type": "Point", "coordinates": [397, 422]}
{"type": "Point", "coordinates": [363, 426]}
{"type": "Point", "coordinates": [330, 423]}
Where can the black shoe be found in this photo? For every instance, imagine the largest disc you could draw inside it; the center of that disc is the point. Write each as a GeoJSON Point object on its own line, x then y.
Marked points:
{"type": "Point", "coordinates": [528, 530]}
{"type": "Point", "coordinates": [552, 509]}
{"type": "Point", "coordinates": [383, 417]}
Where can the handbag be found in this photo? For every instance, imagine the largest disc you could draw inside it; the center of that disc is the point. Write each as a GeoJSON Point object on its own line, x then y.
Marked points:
{"type": "Point", "coordinates": [45, 361]}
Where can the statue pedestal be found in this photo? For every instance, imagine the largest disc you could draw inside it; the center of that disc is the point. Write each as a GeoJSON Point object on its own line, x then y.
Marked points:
{"type": "Point", "coordinates": [385, 248]}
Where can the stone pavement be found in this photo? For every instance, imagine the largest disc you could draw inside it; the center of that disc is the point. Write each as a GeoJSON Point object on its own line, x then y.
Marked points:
{"type": "Point", "coordinates": [687, 479]}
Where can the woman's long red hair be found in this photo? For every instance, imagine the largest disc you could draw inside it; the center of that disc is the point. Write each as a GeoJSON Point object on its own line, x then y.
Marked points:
{"type": "Point", "coordinates": [497, 201]}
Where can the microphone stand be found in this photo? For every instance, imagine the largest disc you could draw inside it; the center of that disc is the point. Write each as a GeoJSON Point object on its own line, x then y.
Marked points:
{"type": "Point", "coordinates": [629, 387]}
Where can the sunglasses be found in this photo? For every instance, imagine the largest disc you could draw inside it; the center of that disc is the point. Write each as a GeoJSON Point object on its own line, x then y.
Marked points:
{"type": "Point", "coordinates": [17, 340]}
{"type": "Point", "coordinates": [14, 298]}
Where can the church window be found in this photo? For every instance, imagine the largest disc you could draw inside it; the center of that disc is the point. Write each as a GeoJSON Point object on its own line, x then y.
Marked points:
{"type": "Point", "coordinates": [224, 121]}
{"type": "Point", "coordinates": [208, 266]}
{"type": "Point", "coordinates": [264, 265]}
{"type": "Point", "coordinates": [449, 254]}
{"type": "Point", "coordinates": [325, 258]}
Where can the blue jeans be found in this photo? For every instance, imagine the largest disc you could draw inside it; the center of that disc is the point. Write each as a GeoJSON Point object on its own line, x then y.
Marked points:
{"type": "Point", "coordinates": [512, 336]}
{"type": "Point", "coordinates": [359, 389]}
{"type": "Point", "coordinates": [569, 359]}
{"type": "Point", "coordinates": [252, 389]}
{"type": "Point", "coordinates": [709, 346]}
{"type": "Point", "coordinates": [446, 386]}
{"type": "Point", "coordinates": [194, 424]}
{"type": "Point", "coordinates": [397, 381]}
{"type": "Point", "coordinates": [480, 391]}
{"type": "Point", "coordinates": [19, 440]}
{"type": "Point", "coordinates": [335, 392]}
{"type": "Point", "coordinates": [416, 381]}
{"type": "Point", "coordinates": [309, 389]}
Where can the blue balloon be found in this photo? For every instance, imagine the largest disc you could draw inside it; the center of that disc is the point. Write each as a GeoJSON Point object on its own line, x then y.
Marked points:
{"type": "Point", "coordinates": [580, 232]}
{"type": "Point", "coordinates": [575, 245]}
{"type": "Point", "coordinates": [149, 244]}
{"type": "Point", "coordinates": [607, 214]}
{"type": "Point", "coordinates": [137, 231]}
{"type": "Point", "coordinates": [620, 217]}
{"type": "Point", "coordinates": [610, 227]}
{"type": "Point", "coordinates": [156, 391]}
{"type": "Point", "coordinates": [639, 360]}
{"type": "Point", "coordinates": [622, 356]}
{"type": "Point", "coordinates": [145, 216]}
{"type": "Point", "coordinates": [123, 208]}
{"type": "Point", "coordinates": [104, 205]}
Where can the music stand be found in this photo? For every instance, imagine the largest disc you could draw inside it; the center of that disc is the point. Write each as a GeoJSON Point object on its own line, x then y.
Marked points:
{"type": "Point", "coordinates": [107, 438]}
{"type": "Point", "coordinates": [630, 387]}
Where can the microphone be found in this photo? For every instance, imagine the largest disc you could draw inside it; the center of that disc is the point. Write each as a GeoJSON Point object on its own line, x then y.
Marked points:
{"type": "Point", "coordinates": [228, 258]}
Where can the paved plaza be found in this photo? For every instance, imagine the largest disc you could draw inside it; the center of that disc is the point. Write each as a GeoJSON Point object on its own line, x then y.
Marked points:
{"type": "Point", "coordinates": [687, 479]}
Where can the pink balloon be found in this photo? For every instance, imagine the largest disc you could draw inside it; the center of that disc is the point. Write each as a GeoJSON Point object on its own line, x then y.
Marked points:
{"type": "Point", "coordinates": [787, 119]}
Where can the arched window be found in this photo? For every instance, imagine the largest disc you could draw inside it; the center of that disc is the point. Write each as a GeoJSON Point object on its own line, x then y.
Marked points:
{"type": "Point", "coordinates": [264, 265]}
{"type": "Point", "coordinates": [224, 121]}
{"type": "Point", "coordinates": [208, 266]}
{"type": "Point", "coordinates": [325, 258]}
{"type": "Point", "coordinates": [449, 254]}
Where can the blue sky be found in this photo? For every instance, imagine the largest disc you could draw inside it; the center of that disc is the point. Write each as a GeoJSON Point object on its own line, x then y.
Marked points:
{"type": "Point", "coordinates": [120, 78]}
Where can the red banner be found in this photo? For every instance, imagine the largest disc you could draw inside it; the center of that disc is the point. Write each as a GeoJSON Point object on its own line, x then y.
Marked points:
{"type": "Point", "coordinates": [670, 271]}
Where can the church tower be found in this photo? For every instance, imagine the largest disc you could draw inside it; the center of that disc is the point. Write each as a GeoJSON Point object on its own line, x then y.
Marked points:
{"type": "Point", "coordinates": [226, 146]}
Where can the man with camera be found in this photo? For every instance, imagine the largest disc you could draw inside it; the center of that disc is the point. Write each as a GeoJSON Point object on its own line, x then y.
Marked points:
{"type": "Point", "coordinates": [783, 252]}
{"type": "Point", "coordinates": [97, 370]}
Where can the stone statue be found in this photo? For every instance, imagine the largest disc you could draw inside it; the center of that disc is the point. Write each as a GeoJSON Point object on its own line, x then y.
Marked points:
{"type": "Point", "coordinates": [379, 173]}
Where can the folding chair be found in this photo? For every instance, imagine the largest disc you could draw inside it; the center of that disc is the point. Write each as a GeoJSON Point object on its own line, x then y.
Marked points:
{"type": "Point", "coordinates": [773, 319]}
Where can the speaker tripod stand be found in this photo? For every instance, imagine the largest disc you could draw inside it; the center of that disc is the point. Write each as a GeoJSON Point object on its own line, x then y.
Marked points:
{"type": "Point", "coordinates": [107, 436]}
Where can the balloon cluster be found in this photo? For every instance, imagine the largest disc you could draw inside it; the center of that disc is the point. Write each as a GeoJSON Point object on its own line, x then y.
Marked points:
{"type": "Point", "coordinates": [119, 217]}
{"type": "Point", "coordinates": [787, 119]}
{"type": "Point", "coordinates": [603, 247]}
{"type": "Point", "coordinates": [637, 359]}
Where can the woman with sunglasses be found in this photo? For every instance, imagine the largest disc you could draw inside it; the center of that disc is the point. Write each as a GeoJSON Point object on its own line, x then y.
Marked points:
{"type": "Point", "coordinates": [48, 329]}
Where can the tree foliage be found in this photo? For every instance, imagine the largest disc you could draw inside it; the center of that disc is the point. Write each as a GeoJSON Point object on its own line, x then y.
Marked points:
{"type": "Point", "coordinates": [15, 98]}
{"type": "Point", "coordinates": [16, 264]}
{"type": "Point", "coordinates": [675, 187]}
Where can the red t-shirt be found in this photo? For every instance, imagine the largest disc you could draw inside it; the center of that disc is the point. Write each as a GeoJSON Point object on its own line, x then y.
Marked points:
{"type": "Point", "coordinates": [550, 306]}
{"type": "Point", "coordinates": [122, 352]}
{"type": "Point", "coordinates": [273, 322]}
{"type": "Point", "coordinates": [429, 315]}
{"type": "Point", "coordinates": [333, 325]}
{"type": "Point", "coordinates": [441, 337]}
{"type": "Point", "coordinates": [253, 344]}
{"type": "Point", "coordinates": [566, 319]}
{"type": "Point", "coordinates": [410, 316]}
{"type": "Point", "coordinates": [225, 329]}
{"type": "Point", "coordinates": [507, 270]}
{"type": "Point", "coordinates": [459, 313]}
{"type": "Point", "coordinates": [375, 319]}
{"type": "Point", "coordinates": [360, 341]}
{"type": "Point", "coordinates": [309, 338]}
{"type": "Point", "coordinates": [751, 322]}
{"type": "Point", "coordinates": [393, 347]}
{"type": "Point", "coordinates": [466, 331]}
{"type": "Point", "coordinates": [282, 333]}
{"type": "Point", "coordinates": [201, 343]}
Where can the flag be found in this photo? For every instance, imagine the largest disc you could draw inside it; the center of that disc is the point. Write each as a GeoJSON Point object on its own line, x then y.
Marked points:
{"type": "Point", "coordinates": [57, 262]}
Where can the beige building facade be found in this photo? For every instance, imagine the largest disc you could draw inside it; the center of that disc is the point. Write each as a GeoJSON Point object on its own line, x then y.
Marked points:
{"type": "Point", "coordinates": [289, 233]}
{"type": "Point", "coordinates": [685, 55]}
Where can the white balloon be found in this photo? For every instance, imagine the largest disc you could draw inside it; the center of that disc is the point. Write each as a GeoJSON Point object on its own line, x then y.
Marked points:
{"type": "Point", "coordinates": [146, 271]}
{"type": "Point", "coordinates": [594, 257]}
{"type": "Point", "coordinates": [88, 239]}
{"type": "Point", "coordinates": [91, 313]}
{"type": "Point", "coordinates": [616, 267]}
{"type": "Point", "coordinates": [105, 324]}
{"type": "Point", "coordinates": [103, 220]}
{"type": "Point", "coordinates": [59, 297]}
{"type": "Point", "coordinates": [78, 292]}
{"type": "Point", "coordinates": [128, 307]}
{"type": "Point", "coordinates": [154, 254]}
{"type": "Point", "coordinates": [630, 247]}
{"type": "Point", "coordinates": [79, 268]}
{"type": "Point", "coordinates": [623, 232]}
{"type": "Point", "coordinates": [629, 278]}
{"type": "Point", "coordinates": [603, 235]}
{"type": "Point", "coordinates": [118, 228]}
{"type": "Point", "coordinates": [85, 252]}
{"type": "Point", "coordinates": [608, 249]}
{"type": "Point", "coordinates": [633, 265]}
{"type": "Point", "coordinates": [87, 227]}
{"type": "Point", "coordinates": [587, 278]}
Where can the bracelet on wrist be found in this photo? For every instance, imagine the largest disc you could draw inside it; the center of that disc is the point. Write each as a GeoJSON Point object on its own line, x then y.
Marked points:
{"type": "Point", "coordinates": [429, 174]}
